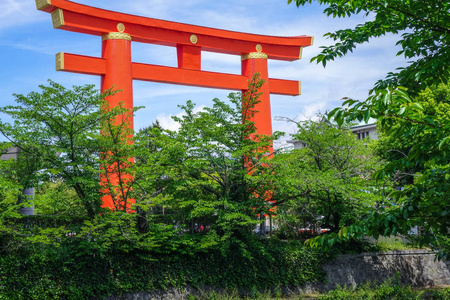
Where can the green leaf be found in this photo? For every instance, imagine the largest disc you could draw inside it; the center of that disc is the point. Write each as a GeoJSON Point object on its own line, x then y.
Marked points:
{"type": "Point", "coordinates": [417, 105]}
{"type": "Point", "coordinates": [443, 142]}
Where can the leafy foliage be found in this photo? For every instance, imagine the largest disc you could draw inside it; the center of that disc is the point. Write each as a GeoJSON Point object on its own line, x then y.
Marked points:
{"type": "Point", "coordinates": [116, 156]}
{"type": "Point", "coordinates": [212, 168]}
{"type": "Point", "coordinates": [328, 182]}
{"type": "Point", "coordinates": [420, 127]}
{"type": "Point", "coordinates": [419, 131]}
{"type": "Point", "coordinates": [56, 198]}
{"type": "Point", "coordinates": [157, 157]}
{"type": "Point", "coordinates": [57, 129]}
{"type": "Point", "coordinates": [208, 172]}
{"type": "Point", "coordinates": [67, 273]}
{"type": "Point", "coordinates": [424, 29]}
{"type": "Point", "coordinates": [214, 171]}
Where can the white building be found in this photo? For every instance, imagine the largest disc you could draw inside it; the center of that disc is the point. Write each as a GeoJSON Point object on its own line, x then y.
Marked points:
{"type": "Point", "coordinates": [360, 131]}
{"type": "Point", "coordinates": [365, 131]}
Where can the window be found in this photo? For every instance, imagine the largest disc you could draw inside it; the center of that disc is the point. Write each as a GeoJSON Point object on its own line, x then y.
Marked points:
{"type": "Point", "coordinates": [362, 135]}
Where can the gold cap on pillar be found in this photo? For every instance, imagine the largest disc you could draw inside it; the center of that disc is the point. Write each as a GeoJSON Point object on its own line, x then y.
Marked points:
{"type": "Point", "coordinates": [116, 36]}
{"type": "Point", "coordinates": [252, 55]}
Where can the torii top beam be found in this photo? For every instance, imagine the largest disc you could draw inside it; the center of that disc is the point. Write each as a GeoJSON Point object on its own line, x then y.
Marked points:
{"type": "Point", "coordinates": [116, 67]}
{"type": "Point", "coordinates": [90, 20]}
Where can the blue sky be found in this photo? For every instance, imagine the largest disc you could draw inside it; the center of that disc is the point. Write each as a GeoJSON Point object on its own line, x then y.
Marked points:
{"type": "Point", "coordinates": [28, 44]}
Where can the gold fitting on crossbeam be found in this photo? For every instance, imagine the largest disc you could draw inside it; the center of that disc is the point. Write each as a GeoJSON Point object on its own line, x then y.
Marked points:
{"type": "Point", "coordinates": [43, 4]}
{"type": "Point", "coordinates": [59, 61]}
{"type": "Point", "coordinates": [57, 18]}
{"type": "Point", "coordinates": [116, 36]}
{"type": "Point", "coordinates": [252, 55]}
{"type": "Point", "coordinates": [193, 39]}
{"type": "Point", "coordinates": [120, 27]}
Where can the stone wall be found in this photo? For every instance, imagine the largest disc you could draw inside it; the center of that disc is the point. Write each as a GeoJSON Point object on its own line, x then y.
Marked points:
{"type": "Point", "coordinates": [417, 268]}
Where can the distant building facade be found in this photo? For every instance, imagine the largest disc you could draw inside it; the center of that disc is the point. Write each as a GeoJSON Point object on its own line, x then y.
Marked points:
{"type": "Point", "coordinates": [360, 131]}
{"type": "Point", "coordinates": [365, 131]}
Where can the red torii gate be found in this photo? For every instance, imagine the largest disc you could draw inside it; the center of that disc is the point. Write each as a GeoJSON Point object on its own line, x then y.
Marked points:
{"type": "Point", "coordinates": [116, 68]}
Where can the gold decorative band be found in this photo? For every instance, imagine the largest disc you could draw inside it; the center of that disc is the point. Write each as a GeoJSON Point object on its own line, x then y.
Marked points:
{"type": "Point", "coordinates": [57, 18]}
{"type": "Point", "coordinates": [252, 55]}
{"type": "Point", "coordinates": [300, 53]}
{"type": "Point", "coordinates": [43, 4]}
{"type": "Point", "coordinates": [116, 36]}
{"type": "Point", "coordinates": [59, 61]}
{"type": "Point", "coordinates": [299, 87]}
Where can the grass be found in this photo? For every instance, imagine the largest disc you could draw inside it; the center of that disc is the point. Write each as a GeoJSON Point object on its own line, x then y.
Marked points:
{"type": "Point", "coordinates": [390, 289]}
{"type": "Point", "coordinates": [364, 292]}
{"type": "Point", "coordinates": [392, 243]}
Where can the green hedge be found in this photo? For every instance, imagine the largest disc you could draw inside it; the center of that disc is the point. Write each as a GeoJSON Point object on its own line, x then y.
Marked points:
{"type": "Point", "coordinates": [69, 272]}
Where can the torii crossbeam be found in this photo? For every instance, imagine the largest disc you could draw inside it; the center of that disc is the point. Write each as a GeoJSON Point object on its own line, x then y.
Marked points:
{"type": "Point", "coordinates": [116, 67]}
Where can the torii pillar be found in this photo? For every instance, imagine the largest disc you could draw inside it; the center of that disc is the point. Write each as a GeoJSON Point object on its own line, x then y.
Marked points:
{"type": "Point", "coordinates": [256, 62]}
{"type": "Point", "coordinates": [117, 69]}
{"type": "Point", "coordinates": [116, 51]}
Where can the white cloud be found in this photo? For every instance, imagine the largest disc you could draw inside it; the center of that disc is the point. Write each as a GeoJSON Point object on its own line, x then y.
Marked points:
{"type": "Point", "coordinates": [228, 20]}
{"type": "Point", "coordinates": [167, 122]}
{"type": "Point", "coordinates": [15, 13]}
{"type": "Point", "coordinates": [44, 49]}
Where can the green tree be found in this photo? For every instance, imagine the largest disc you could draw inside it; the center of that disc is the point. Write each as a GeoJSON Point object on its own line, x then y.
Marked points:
{"type": "Point", "coordinates": [209, 172]}
{"type": "Point", "coordinates": [421, 125]}
{"type": "Point", "coordinates": [76, 138]}
{"type": "Point", "coordinates": [327, 180]}
{"type": "Point", "coordinates": [424, 29]}
{"type": "Point", "coordinates": [56, 198]}
{"type": "Point", "coordinates": [117, 168]}
{"type": "Point", "coordinates": [218, 183]}
{"type": "Point", "coordinates": [398, 138]}
{"type": "Point", "coordinates": [10, 190]}
{"type": "Point", "coordinates": [425, 40]}
{"type": "Point", "coordinates": [60, 128]}
{"type": "Point", "coordinates": [22, 170]}
{"type": "Point", "coordinates": [157, 158]}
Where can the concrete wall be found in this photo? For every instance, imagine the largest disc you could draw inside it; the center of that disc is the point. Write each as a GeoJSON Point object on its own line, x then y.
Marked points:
{"type": "Point", "coordinates": [417, 268]}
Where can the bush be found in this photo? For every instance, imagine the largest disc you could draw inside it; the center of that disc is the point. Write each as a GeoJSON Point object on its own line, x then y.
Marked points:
{"type": "Point", "coordinates": [70, 272]}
